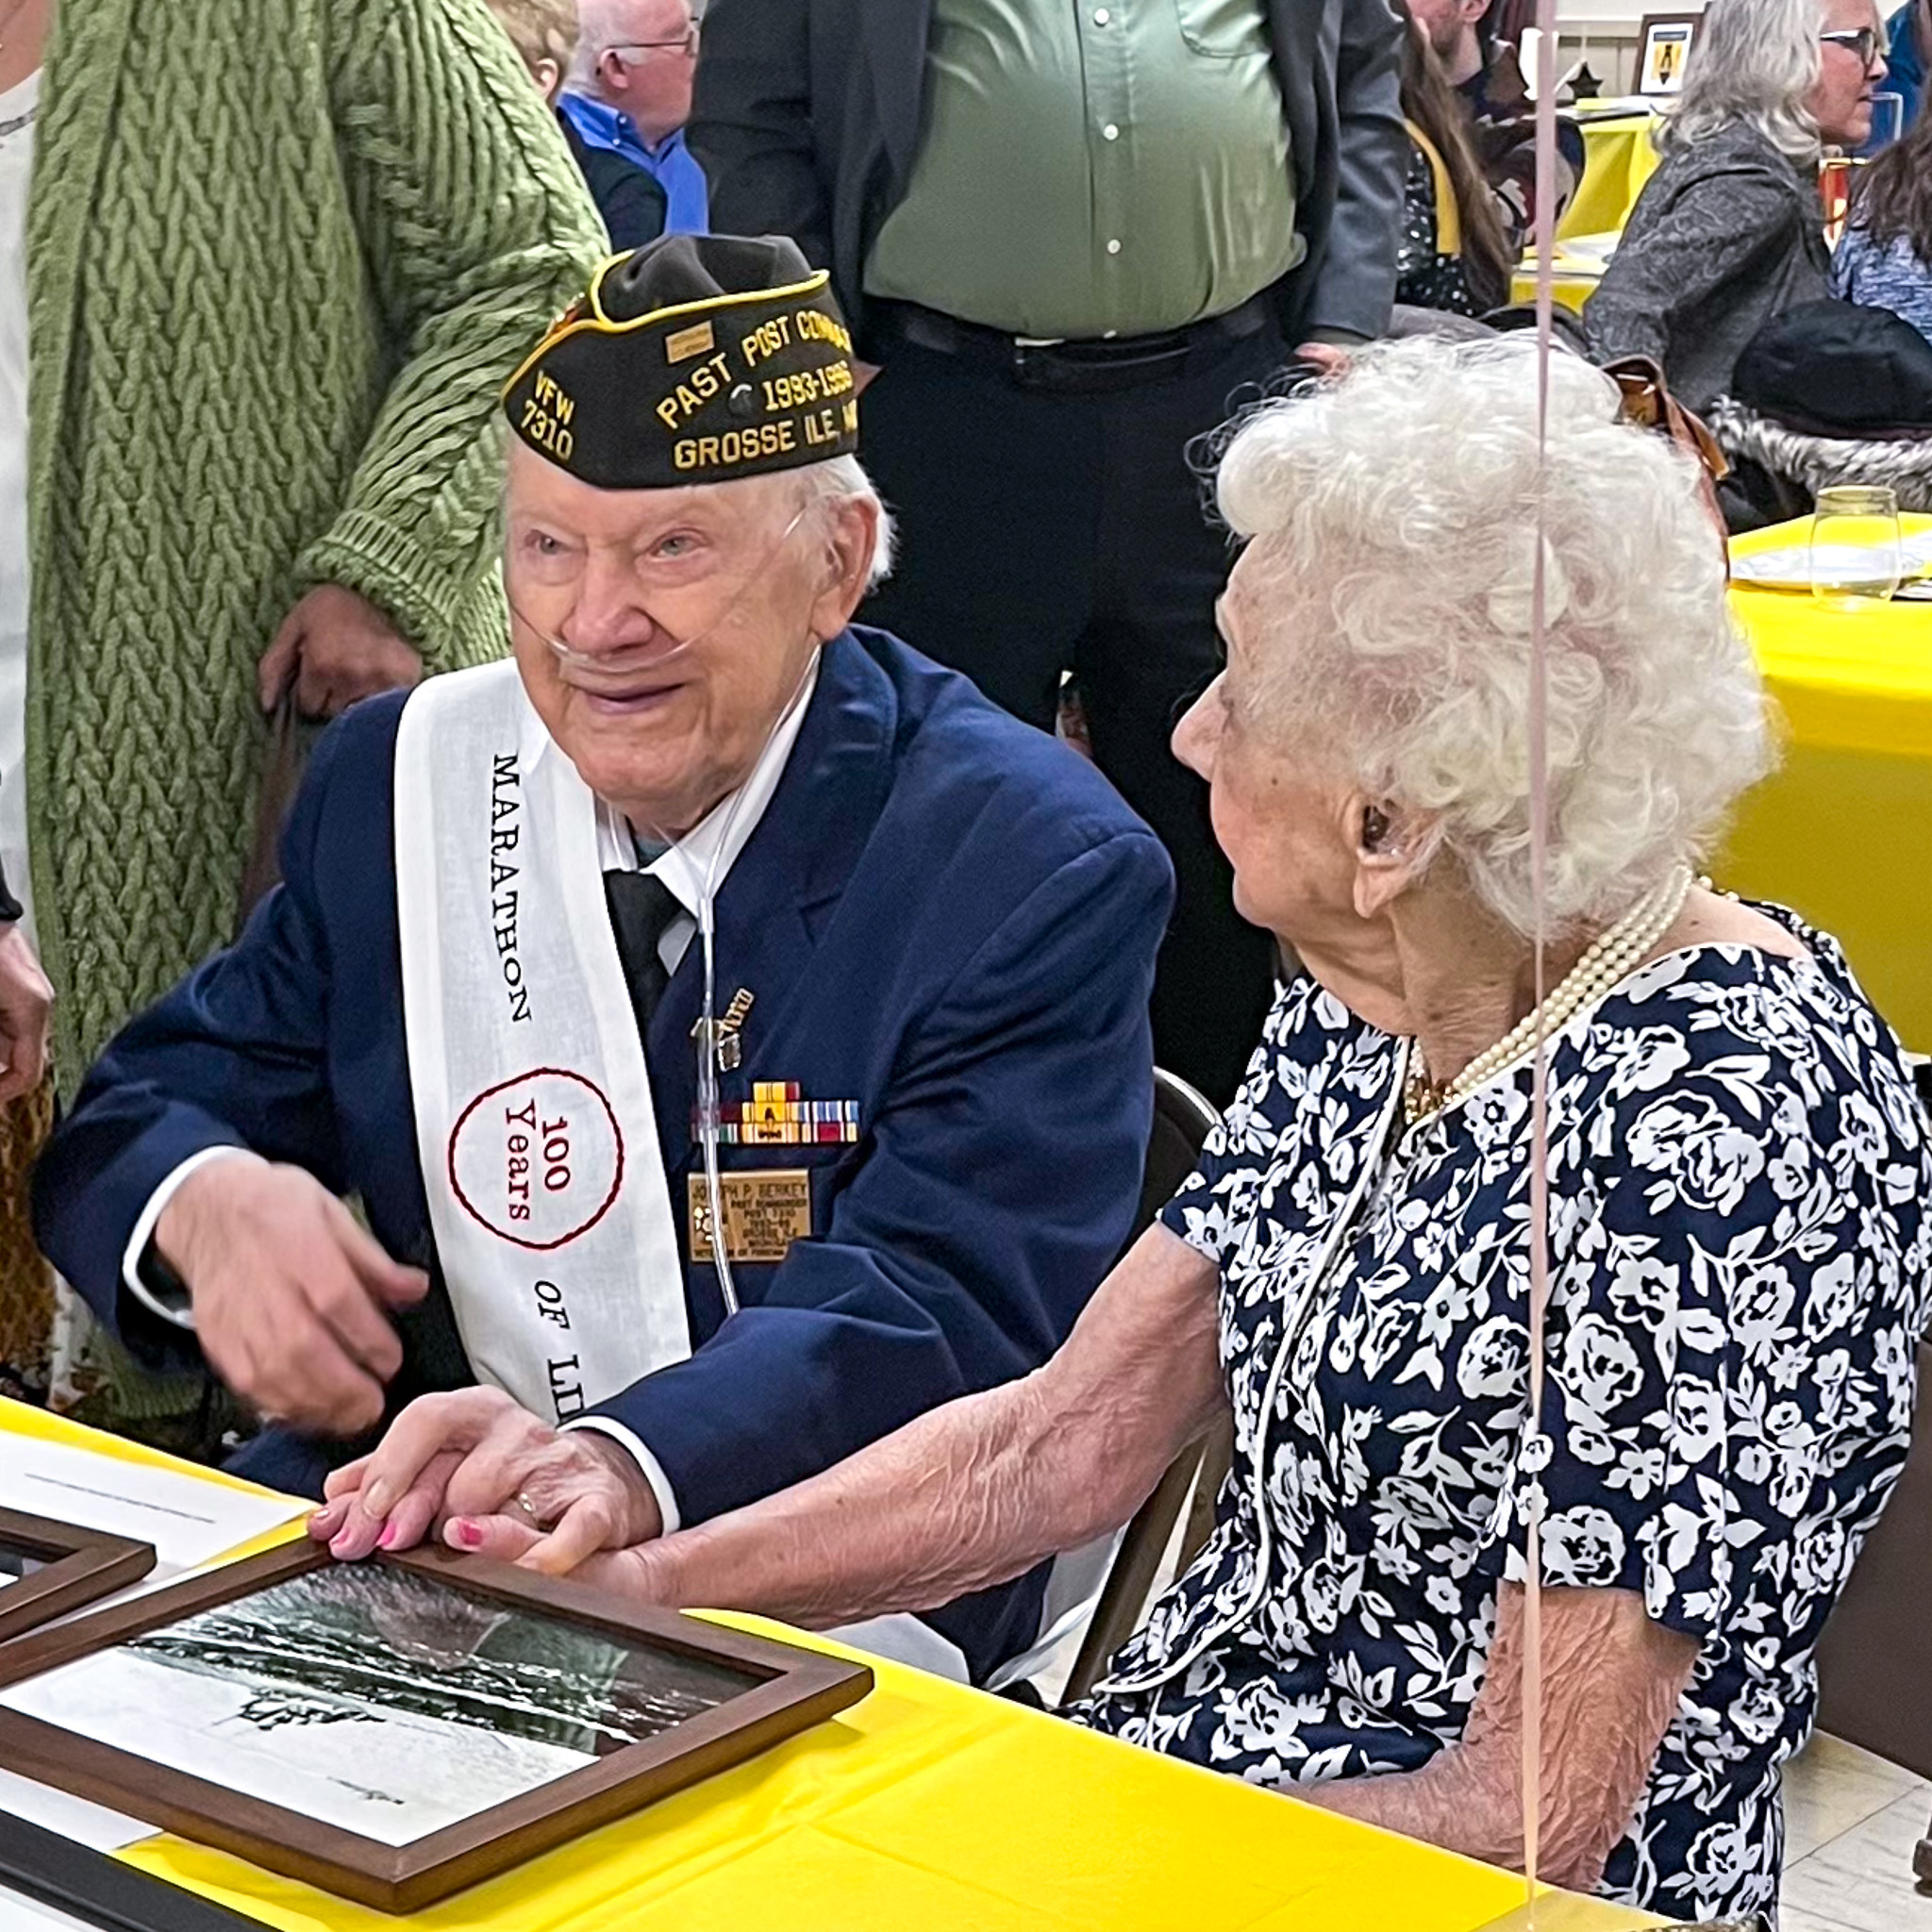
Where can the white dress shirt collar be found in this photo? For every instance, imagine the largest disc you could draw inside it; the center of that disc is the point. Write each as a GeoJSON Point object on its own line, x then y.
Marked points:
{"type": "Point", "coordinates": [723, 833]}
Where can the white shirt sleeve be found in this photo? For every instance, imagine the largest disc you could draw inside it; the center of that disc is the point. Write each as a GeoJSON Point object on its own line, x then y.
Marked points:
{"type": "Point", "coordinates": [183, 1316]}
{"type": "Point", "coordinates": [653, 1469]}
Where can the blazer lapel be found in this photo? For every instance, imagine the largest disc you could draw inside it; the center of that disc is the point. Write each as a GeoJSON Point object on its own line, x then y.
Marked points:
{"type": "Point", "coordinates": [894, 38]}
{"type": "Point", "coordinates": [773, 904]}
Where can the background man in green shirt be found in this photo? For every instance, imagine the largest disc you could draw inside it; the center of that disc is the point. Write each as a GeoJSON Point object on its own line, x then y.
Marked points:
{"type": "Point", "coordinates": [1075, 234]}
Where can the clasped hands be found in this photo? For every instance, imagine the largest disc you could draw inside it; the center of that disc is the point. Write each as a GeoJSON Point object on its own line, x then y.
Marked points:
{"type": "Point", "coordinates": [292, 1302]}
{"type": "Point", "coordinates": [494, 1481]}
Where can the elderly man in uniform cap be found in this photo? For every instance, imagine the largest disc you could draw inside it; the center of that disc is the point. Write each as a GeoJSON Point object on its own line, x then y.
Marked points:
{"type": "Point", "coordinates": [706, 864]}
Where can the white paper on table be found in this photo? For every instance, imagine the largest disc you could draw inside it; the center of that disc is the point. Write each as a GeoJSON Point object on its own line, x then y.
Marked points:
{"type": "Point", "coordinates": [89, 1825]}
{"type": "Point", "coordinates": [1792, 566]}
{"type": "Point", "coordinates": [18, 1910]}
{"type": "Point", "coordinates": [187, 1519]}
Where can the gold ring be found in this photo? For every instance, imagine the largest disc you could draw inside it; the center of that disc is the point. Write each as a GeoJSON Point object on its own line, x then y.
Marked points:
{"type": "Point", "coordinates": [529, 1509]}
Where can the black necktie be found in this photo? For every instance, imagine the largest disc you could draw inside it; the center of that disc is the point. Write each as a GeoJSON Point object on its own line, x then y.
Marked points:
{"type": "Point", "coordinates": [641, 908]}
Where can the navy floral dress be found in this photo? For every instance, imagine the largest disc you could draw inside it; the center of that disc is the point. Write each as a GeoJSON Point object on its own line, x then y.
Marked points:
{"type": "Point", "coordinates": [1740, 1254]}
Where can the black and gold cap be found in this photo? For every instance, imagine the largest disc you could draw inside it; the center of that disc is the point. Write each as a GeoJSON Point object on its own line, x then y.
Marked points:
{"type": "Point", "coordinates": [693, 359]}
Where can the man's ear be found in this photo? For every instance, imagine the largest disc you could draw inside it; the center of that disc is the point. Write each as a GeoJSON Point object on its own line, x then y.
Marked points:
{"type": "Point", "coordinates": [612, 73]}
{"type": "Point", "coordinates": [851, 542]}
{"type": "Point", "coordinates": [1391, 848]}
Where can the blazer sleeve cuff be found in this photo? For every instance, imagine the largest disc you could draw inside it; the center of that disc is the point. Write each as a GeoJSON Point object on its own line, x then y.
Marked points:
{"type": "Point", "coordinates": [171, 1306]}
{"type": "Point", "coordinates": [653, 1470]}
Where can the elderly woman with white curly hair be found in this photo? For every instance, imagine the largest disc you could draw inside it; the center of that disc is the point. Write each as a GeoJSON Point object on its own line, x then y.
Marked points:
{"type": "Point", "coordinates": [1737, 1182]}
{"type": "Point", "coordinates": [1729, 231]}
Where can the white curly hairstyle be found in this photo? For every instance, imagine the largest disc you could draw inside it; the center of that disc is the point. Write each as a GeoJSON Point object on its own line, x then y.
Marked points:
{"type": "Point", "coordinates": [1392, 523]}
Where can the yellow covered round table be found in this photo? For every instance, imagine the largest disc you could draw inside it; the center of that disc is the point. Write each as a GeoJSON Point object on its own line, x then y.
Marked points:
{"type": "Point", "coordinates": [929, 1807]}
{"type": "Point", "coordinates": [1618, 156]}
{"type": "Point", "coordinates": [1842, 831]}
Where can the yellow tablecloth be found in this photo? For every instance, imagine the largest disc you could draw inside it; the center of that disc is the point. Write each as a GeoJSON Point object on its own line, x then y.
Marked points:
{"type": "Point", "coordinates": [1579, 267]}
{"type": "Point", "coordinates": [932, 1808]}
{"type": "Point", "coordinates": [1844, 830]}
{"type": "Point", "coordinates": [1618, 159]}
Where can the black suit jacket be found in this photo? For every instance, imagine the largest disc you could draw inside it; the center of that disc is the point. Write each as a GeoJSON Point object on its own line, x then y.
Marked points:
{"type": "Point", "coordinates": [627, 196]}
{"type": "Point", "coordinates": [809, 112]}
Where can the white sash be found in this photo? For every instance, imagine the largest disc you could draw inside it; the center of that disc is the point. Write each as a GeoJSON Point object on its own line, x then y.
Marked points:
{"type": "Point", "coordinates": [563, 1274]}
{"type": "Point", "coordinates": [534, 1122]}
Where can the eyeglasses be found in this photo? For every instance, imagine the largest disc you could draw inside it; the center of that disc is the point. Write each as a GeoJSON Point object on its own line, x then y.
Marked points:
{"type": "Point", "coordinates": [687, 42]}
{"type": "Point", "coordinates": [1862, 40]}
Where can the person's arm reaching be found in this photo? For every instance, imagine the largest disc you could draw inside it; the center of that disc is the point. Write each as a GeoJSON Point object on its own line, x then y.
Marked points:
{"type": "Point", "coordinates": [967, 1496]}
{"type": "Point", "coordinates": [999, 1184]}
{"type": "Point", "coordinates": [286, 1297]}
{"type": "Point", "coordinates": [1611, 1682]}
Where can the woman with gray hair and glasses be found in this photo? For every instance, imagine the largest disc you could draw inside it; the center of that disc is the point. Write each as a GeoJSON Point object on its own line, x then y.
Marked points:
{"type": "Point", "coordinates": [1729, 231]}
{"type": "Point", "coordinates": [1737, 1173]}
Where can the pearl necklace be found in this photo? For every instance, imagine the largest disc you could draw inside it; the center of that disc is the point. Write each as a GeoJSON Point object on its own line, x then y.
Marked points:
{"type": "Point", "coordinates": [1611, 956]}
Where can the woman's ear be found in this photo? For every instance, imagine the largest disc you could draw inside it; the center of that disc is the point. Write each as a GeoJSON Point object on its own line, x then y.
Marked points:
{"type": "Point", "coordinates": [1387, 848]}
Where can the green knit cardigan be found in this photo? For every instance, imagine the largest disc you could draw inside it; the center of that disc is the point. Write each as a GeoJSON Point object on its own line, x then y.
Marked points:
{"type": "Point", "coordinates": [281, 257]}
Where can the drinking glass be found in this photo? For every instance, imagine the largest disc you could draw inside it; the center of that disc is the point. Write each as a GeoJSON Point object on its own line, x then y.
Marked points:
{"type": "Point", "coordinates": [1888, 122]}
{"type": "Point", "coordinates": [1855, 547]}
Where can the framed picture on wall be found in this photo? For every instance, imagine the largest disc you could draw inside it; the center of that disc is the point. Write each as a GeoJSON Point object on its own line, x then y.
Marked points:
{"type": "Point", "coordinates": [396, 1729]}
{"type": "Point", "coordinates": [49, 1568]}
{"type": "Point", "coordinates": [1663, 45]}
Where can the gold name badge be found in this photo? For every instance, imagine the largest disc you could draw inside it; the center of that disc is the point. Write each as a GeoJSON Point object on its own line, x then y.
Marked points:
{"type": "Point", "coordinates": [765, 1211]}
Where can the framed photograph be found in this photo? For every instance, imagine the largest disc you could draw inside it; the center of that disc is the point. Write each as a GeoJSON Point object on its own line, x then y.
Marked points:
{"type": "Point", "coordinates": [1663, 45]}
{"type": "Point", "coordinates": [395, 1729]}
{"type": "Point", "coordinates": [49, 1568]}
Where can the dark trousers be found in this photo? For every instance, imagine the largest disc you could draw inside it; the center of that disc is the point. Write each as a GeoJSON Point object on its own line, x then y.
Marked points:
{"type": "Point", "coordinates": [1048, 532]}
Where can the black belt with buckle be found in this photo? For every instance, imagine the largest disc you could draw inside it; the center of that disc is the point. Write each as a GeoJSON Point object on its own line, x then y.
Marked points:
{"type": "Point", "coordinates": [1070, 367]}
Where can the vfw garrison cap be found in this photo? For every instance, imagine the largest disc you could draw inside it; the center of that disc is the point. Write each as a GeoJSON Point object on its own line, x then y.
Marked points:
{"type": "Point", "coordinates": [693, 359]}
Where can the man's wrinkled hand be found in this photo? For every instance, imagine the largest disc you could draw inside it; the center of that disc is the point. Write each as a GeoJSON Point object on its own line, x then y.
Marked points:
{"type": "Point", "coordinates": [291, 1296]}
{"type": "Point", "coordinates": [26, 1011]}
{"type": "Point", "coordinates": [468, 1463]}
{"type": "Point", "coordinates": [337, 647]}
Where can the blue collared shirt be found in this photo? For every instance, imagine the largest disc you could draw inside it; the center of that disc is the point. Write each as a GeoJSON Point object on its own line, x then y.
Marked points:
{"type": "Point", "coordinates": [671, 165]}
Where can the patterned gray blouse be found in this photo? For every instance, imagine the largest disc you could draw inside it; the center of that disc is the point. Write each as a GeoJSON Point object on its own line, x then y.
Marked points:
{"type": "Point", "coordinates": [1740, 1261]}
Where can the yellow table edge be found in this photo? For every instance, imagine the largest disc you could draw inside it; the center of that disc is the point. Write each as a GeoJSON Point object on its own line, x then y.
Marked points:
{"type": "Point", "coordinates": [1847, 682]}
{"type": "Point", "coordinates": [214, 1875]}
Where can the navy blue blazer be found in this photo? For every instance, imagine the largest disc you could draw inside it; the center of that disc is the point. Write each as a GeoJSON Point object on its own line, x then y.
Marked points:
{"type": "Point", "coordinates": [943, 915]}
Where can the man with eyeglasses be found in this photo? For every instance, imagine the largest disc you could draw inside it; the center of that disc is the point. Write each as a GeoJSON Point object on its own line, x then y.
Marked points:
{"type": "Point", "coordinates": [479, 1003]}
{"type": "Point", "coordinates": [628, 93]}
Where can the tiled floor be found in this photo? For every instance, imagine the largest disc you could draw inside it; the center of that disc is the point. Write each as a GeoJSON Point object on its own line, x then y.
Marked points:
{"type": "Point", "coordinates": [1851, 1820]}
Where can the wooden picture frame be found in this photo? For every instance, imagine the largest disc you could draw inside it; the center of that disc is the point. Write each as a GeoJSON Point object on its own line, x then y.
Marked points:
{"type": "Point", "coordinates": [1664, 43]}
{"type": "Point", "coordinates": [88, 1886]}
{"type": "Point", "coordinates": [785, 1689]}
{"type": "Point", "coordinates": [74, 1567]}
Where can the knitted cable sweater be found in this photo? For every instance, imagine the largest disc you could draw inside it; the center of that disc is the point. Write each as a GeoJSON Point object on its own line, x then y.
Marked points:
{"type": "Point", "coordinates": [282, 253]}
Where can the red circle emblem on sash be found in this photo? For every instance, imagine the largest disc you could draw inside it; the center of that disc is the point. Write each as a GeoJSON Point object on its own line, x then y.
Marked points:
{"type": "Point", "coordinates": [538, 1159]}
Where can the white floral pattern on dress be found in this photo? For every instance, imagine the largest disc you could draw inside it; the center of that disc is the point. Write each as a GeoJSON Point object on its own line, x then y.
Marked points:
{"type": "Point", "coordinates": [1740, 1261]}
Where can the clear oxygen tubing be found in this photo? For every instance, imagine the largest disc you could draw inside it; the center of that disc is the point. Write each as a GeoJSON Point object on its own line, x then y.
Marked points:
{"type": "Point", "coordinates": [708, 1023]}
{"type": "Point", "coordinates": [1535, 1445]}
{"type": "Point", "coordinates": [586, 670]}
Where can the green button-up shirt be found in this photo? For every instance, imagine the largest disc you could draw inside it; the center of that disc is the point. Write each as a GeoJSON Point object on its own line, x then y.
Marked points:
{"type": "Point", "coordinates": [1094, 167]}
